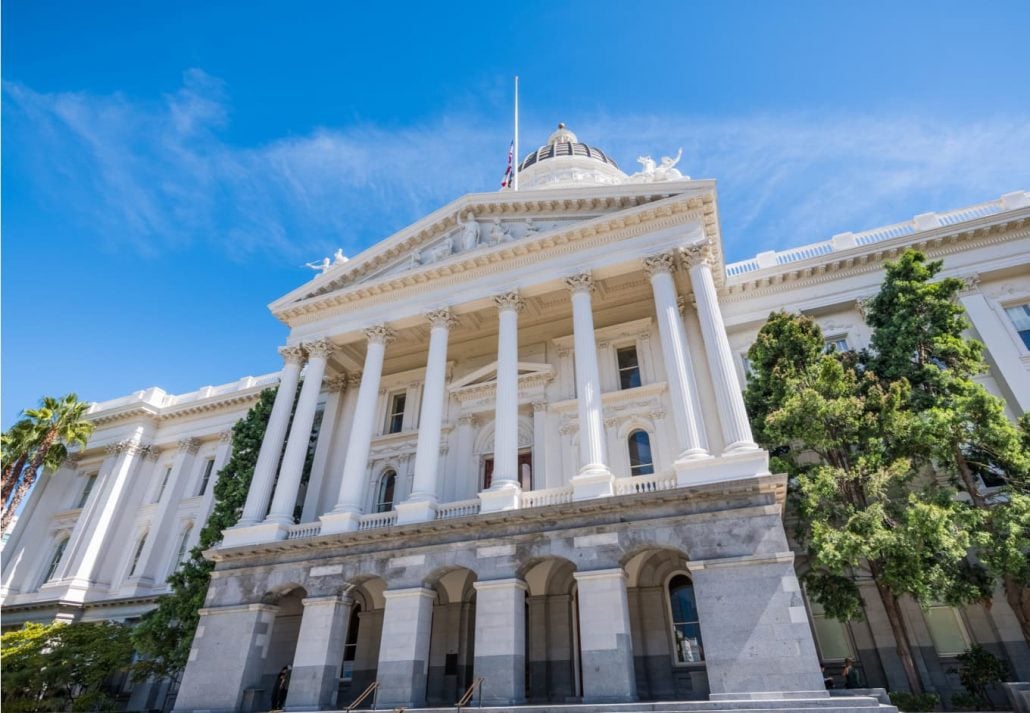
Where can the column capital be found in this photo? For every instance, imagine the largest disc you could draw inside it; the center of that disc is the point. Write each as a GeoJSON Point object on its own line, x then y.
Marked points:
{"type": "Point", "coordinates": [659, 264]}
{"type": "Point", "coordinates": [130, 446]}
{"type": "Point", "coordinates": [539, 406]}
{"type": "Point", "coordinates": [509, 301]}
{"type": "Point", "coordinates": [225, 436]}
{"type": "Point", "coordinates": [151, 453]}
{"type": "Point", "coordinates": [336, 383]}
{"type": "Point", "coordinates": [697, 254]}
{"type": "Point", "coordinates": [293, 354]}
{"type": "Point", "coordinates": [616, 573]}
{"type": "Point", "coordinates": [320, 348]}
{"type": "Point", "coordinates": [189, 445]}
{"type": "Point", "coordinates": [441, 318]}
{"type": "Point", "coordinates": [353, 379]}
{"type": "Point", "coordinates": [970, 283]}
{"type": "Point", "coordinates": [380, 334]}
{"type": "Point", "coordinates": [508, 583]}
{"type": "Point", "coordinates": [580, 282]}
{"type": "Point", "coordinates": [468, 421]}
{"type": "Point", "coordinates": [862, 304]}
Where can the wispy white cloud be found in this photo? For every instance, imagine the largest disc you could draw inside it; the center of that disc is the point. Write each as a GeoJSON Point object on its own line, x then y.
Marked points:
{"type": "Point", "coordinates": [157, 176]}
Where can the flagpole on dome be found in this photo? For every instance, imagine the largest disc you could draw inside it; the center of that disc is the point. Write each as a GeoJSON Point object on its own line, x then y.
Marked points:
{"type": "Point", "coordinates": [515, 167]}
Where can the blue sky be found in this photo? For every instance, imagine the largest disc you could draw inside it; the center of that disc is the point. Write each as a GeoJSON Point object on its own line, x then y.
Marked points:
{"type": "Point", "coordinates": [168, 167]}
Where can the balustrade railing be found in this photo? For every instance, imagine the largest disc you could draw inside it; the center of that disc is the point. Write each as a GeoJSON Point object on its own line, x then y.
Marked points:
{"type": "Point", "coordinates": [645, 483]}
{"type": "Point", "coordinates": [376, 520]}
{"type": "Point", "coordinates": [550, 496]}
{"type": "Point", "coordinates": [305, 529]}
{"type": "Point", "coordinates": [461, 508]}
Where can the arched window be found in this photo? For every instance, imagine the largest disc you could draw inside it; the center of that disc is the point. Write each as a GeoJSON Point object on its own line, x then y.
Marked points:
{"type": "Point", "coordinates": [686, 631]}
{"type": "Point", "coordinates": [183, 542]}
{"type": "Point", "coordinates": [136, 555]}
{"type": "Point", "coordinates": [387, 483]}
{"type": "Point", "coordinates": [640, 460]}
{"type": "Point", "coordinates": [55, 560]}
{"type": "Point", "coordinates": [350, 646]}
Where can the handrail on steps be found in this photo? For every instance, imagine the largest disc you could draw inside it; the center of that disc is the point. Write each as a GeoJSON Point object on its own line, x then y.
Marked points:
{"type": "Point", "coordinates": [467, 696]}
{"type": "Point", "coordinates": [374, 686]}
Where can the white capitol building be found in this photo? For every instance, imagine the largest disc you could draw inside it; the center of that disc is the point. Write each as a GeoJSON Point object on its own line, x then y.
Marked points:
{"type": "Point", "coordinates": [530, 463]}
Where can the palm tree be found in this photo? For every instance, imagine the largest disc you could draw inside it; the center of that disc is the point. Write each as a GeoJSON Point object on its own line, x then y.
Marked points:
{"type": "Point", "coordinates": [17, 443]}
{"type": "Point", "coordinates": [57, 423]}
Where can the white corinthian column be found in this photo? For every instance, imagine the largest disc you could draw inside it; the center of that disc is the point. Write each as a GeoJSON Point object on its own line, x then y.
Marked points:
{"type": "Point", "coordinates": [736, 428]}
{"type": "Point", "coordinates": [504, 487]}
{"type": "Point", "coordinates": [285, 499]}
{"type": "Point", "coordinates": [272, 444]}
{"type": "Point", "coordinates": [595, 477]}
{"type": "Point", "coordinates": [344, 517]}
{"type": "Point", "coordinates": [682, 390]}
{"type": "Point", "coordinates": [421, 506]}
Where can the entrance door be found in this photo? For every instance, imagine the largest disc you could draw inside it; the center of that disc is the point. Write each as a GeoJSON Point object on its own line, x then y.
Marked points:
{"type": "Point", "coordinates": [525, 470]}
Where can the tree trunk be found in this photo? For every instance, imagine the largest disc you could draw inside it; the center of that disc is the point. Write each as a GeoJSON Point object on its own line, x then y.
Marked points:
{"type": "Point", "coordinates": [969, 479]}
{"type": "Point", "coordinates": [1018, 597]}
{"type": "Point", "coordinates": [10, 477]}
{"type": "Point", "coordinates": [898, 628]}
{"type": "Point", "coordinates": [29, 478]}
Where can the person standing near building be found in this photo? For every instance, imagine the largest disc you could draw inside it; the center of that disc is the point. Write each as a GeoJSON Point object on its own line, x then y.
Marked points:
{"type": "Point", "coordinates": [282, 685]}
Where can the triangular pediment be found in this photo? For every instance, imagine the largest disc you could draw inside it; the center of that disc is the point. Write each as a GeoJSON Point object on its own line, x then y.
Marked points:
{"type": "Point", "coordinates": [488, 374]}
{"type": "Point", "coordinates": [477, 224]}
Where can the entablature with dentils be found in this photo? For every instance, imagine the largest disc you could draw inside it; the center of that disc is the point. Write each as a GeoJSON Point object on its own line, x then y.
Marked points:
{"type": "Point", "coordinates": [635, 214]}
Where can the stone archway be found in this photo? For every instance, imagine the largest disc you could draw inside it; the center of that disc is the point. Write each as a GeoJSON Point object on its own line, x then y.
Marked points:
{"type": "Point", "coordinates": [283, 636]}
{"type": "Point", "coordinates": [361, 645]}
{"type": "Point", "coordinates": [552, 628]}
{"type": "Point", "coordinates": [452, 636]}
{"type": "Point", "coordinates": [667, 648]}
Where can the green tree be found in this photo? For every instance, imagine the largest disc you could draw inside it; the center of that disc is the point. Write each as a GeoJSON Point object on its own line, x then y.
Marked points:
{"type": "Point", "coordinates": [56, 424]}
{"type": "Point", "coordinates": [60, 667]}
{"type": "Point", "coordinates": [961, 430]}
{"type": "Point", "coordinates": [164, 635]}
{"type": "Point", "coordinates": [17, 443]}
{"type": "Point", "coordinates": [832, 425]}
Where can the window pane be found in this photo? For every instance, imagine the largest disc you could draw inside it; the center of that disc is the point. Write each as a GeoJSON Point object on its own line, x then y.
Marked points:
{"type": "Point", "coordinates": [396, 414]}
{"type": "Point", "coordinates": [386, 487]}
{"type": "Point", "coordinates": [640, 460]}
{"type": "Point", "coordinates": [87, 489]}
{"type": "Point", "coordinates": [208, 467]}
{"type": "Point", "coordinates": [685, 627]}
{"type": "Point", "coordinates": [688, 643]}
{"type": "Point", "coordinates": [946, 630]}
{"type": "Point", "coordinates": [629, 368]}
{"type": "Point", "coordinates": [832, 637]}
{"type": "Point", "coordinates": [1020, 316]}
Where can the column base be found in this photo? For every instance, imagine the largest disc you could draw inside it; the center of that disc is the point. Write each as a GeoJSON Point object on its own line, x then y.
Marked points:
{"type": "Point", "coordinates": [336, 522]}
{"type": "Point", "coordinates": [698, 471]}
{"type": "Point", "coordinates": [253, 534]}
{"type": "Point", "coordinates": [593, 484]}
{"type": "Point", "coordinates": [768, 695]}
{"type": "Point", "coordinates": [694, 454]}
{"type": "Point", "coordinates": [503, 498]}
{"type": "Point", "coordinates": [415, 511]}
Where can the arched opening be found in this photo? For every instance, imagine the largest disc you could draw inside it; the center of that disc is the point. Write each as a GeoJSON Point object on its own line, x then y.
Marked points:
{"type": "Point", "coordinates": [641, 460]}
{"type": "Point", "coordinates": [552, 632]}
{"type": "Point", "coordinates": [452, 638]}
{"type": "Point", "coordinates": [385, 492]}
{"type": "Point", "coordinates": [282, 639]}
{"type": "Point", "coordinates": [668, 648]}
{"type": "Point", "coordinates": [364, 633]}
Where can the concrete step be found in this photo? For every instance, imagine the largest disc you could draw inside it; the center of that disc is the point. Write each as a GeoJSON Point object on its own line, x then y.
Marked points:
{"type": "Point", "coordinates": [826, 704]}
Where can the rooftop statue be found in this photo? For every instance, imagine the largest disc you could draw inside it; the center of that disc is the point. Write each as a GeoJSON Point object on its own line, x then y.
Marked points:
{"type": "Point", "coordinates": [665, 171]}
{"type": "Point", "coordinates": [339, 258]}
{"type": "Point", "coordinates": [322, 267]}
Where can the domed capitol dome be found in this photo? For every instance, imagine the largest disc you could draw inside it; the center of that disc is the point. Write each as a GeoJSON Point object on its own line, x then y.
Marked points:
{"type": "Point", "coordinates": [565, 161]}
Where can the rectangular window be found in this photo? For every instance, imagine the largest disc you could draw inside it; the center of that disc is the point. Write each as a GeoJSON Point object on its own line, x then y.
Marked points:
{"type": "Point", "coordinates": [1020, 316]}
{"type": "Point", "coordinates": [91, 480]}
{"type": "Point", "coordinates": [831, 635]}
{"type": "Point", "coordinates": [629, 367]}
{"type": "Point", "coordinates": [209, 465]}
{"type": "Point", "coordinates": [395, 422]}
{"type": "Point", "coordinates": [139, 552]}
{"type": "Point", "coordinates": [947, 631]}
{"type": "Point", "coordinates": [164, 484]}
{"type": "Point", "coordinates": [837, 344]}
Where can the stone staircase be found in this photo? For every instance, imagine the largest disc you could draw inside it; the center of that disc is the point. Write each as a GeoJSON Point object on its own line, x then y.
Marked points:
{"type": "Point", "coordinates": [820, 704]}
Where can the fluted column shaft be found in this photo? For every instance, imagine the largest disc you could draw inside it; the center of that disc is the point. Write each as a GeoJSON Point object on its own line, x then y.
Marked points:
{"type": "Point", "coordinates": [360, 441]}
{"type": "Point", "coordinates": [285, 499]}
{"type": "Point", "coordinates": [682, 390]}
{"type": "Point", "coordinates": [272, 444]}
{"type": "Point", "coordinates": [593, 458]}
{"type": "Point", "coordinates": [427, 454]}
{"type": "Point", "coordinates": [506, 419]}
{"type": "Point", "coordinates": [736, 428]}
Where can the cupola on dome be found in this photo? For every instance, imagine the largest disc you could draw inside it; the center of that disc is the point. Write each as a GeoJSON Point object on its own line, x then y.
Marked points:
{"type": "Point", "coordinates": [564, 160]}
